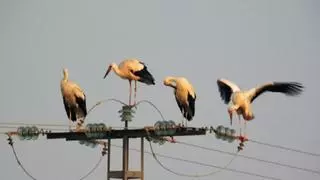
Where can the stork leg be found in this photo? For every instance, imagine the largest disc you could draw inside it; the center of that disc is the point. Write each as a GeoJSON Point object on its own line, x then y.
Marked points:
{"type": "Point", "coordinates": [245, 127]}
{"type": "Point", "coordinates": [79, 124]}
{"type": "Point", "coordinates": [135, 92]}
{"type": "Point", "coordinates": [70, 122]}
{"type": "Point", "coordinates": [240, 123]}
{"type": "Point", "coordinates": [130, 92]}
{"type": "Point", "coordinates": [230, 116]}
{"type": "Point", "coordinates": [70, 125]}
{"type": "Point", "coordinates": [182, 122]}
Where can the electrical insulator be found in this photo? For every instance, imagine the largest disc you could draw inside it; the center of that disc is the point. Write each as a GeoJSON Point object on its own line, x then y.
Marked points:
{"type": "Point", "coordinates": [34, 132]}
{"type": "Point", "coordinates": [102, 127]}
{"type": "Point", "coordinates": [156, 140]}
{"type": "Point", "coordinates": [126, 113]}
{"type": "Point", "coordinates": [231, 134]}
{"type": "Point", "coordinates": [171, 127]}
{"type": "Point", "coordinates": [219, 131]}
{"type": "Point", "coordinates": [157, 130]}
{"type": "Point", "coordinates": [20, 132]}
{"type": "Point", "coordinates": [165, 128]}
{"type": "Point", "coordinates": [225, 133]}
{"type": "Point", "coordinates": [88, 132]}
{"type": "Point", "coordinates": [161, 141]}
{"type": "Point", "coordinates": [91, 144]}
{"type": "Point", "coordinates": [96, 131]}
{"type": "Point", "coordinates": [28, 133]}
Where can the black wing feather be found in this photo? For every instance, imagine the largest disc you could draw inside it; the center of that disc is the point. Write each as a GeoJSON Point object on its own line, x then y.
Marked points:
{"type": "Point", "coordinates": [66, 107]}
{"type": "Point", "coordinates": [73, 113]}
{"type": "Point", "coordinates": [145, 76]}
{"type": "Point", "coordinates": [180, 105]}
{"type": "Point", "coordinates": [225, 91]}
{"type": "Point", "coordinates": [288, 88]}
{"type": "Point", "coordinates": [70, 111]}
{"type": "Point", "coordinates": [191, 110]}
{"type": "Point", "coordinates": [82, 104]}
{"type": "Point", "coordinates": [188, 111]}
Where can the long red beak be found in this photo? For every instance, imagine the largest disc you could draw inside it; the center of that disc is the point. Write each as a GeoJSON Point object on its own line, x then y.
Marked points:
{"type": "Point", "coordinates": [109, 69]}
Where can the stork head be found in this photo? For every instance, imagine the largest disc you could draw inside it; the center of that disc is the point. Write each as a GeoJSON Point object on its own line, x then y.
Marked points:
{"type": "Point", "coordinates": [65, 73]}
{"type": "Point", "coordinates": [169, 81]}
{"type": "Point", "coordinates": [248, 114]}
{"type": "Point", "coordinates": [249, 117]}
{"type": "Point", "coordinates": [110, 67]}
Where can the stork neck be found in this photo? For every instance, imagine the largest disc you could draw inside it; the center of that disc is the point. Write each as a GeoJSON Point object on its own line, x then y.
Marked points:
{"type": "Point", "coordinates": [65, 77]}
{"type": "Point", "coordinates": [171, 84]}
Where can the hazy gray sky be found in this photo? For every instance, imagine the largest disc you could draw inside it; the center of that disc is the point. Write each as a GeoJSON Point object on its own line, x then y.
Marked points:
{"type": "Point", "coordinates": [248, 41]}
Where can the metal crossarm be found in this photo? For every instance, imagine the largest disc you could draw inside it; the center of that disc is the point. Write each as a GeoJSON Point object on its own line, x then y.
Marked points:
{"type": "Point", "coordinates": [130, 133]}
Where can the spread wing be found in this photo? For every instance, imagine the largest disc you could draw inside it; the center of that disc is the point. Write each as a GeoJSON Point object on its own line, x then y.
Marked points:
{"type": "Point", "coordinates": [226, 88]}
{"type": "Point", "coordinates": [287, 88]}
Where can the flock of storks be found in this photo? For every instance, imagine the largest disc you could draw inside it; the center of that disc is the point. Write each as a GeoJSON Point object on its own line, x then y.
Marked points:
{"type": "Point", "coordinates": [239, 101]}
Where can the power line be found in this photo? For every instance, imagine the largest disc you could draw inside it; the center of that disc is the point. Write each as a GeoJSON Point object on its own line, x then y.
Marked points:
{"type": "Point", "coordinates": [18, 161]}
{"type": "Point", "coordinates": [93, 169]}
{"type": "Point", "coordinates": [154, 106]}
{"type": "Point", "coordinates": [251, 158]}
{"type": "Point", "coordinates": [8, 125]}
{"type": "Point", "coordinates": [195, 162]}
{"type": "Point", "coordinates": [49, 129]}
{"type": "Point", "coordinates": [233, 154]}
{"type": "Point", "coordinates": [188, 175]}
{"type": "Point", "coordinates": [65, 125]}
{"type": "Point", "coordinates": [216, 150]}
{"type": "Point", "coordinates": [16, 126]}
{"type": "Point", "coordinates": [285, 148]}
{"type": "Point", "coordinates": [201, 164]}
{"type": "Point", "coordinates": [28, 124]}
{"type": "Point", "coordinates": [33, 178]}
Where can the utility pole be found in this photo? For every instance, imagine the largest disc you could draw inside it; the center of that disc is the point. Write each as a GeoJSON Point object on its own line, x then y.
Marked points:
{"type": "Point", "coordinates": [126, 174]}
{"type": "Point", "coordinates": [126, 134]}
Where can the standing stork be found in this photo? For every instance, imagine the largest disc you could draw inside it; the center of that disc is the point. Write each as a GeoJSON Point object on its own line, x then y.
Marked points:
{"type": "Point", "coordinates": [132, 69]}
{"type": "Point", "coordinates": [74, 100]}
{"type": "Point", "coordinates": [240, 101]}
{"type": "Point", "coordinates": [184, 94]}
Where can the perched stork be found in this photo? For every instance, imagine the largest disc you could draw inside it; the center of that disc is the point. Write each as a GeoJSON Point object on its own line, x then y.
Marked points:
{"type": "Point", "coordinates": [132, 69]}
{"type": "Point", "coordinates": [74, 100]}
{"type": "Point", "coordinates": [240, 101]}
{"type": "Point", "coordinates": [184, 94]}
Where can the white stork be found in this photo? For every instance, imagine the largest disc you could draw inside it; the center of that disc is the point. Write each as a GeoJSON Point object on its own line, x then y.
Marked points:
{"type": "Point", "coordinates": [132, 69]}
{"type": "Point", "coordinates": [240, 101]}
{"type": "Point", "coordinates": [74, 100]}
{"type": "Point", "coordinates": [184, 94]}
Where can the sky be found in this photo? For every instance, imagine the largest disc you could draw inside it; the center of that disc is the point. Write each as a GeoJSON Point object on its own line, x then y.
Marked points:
{"type": "Point", "coordinates": [249, 42]}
